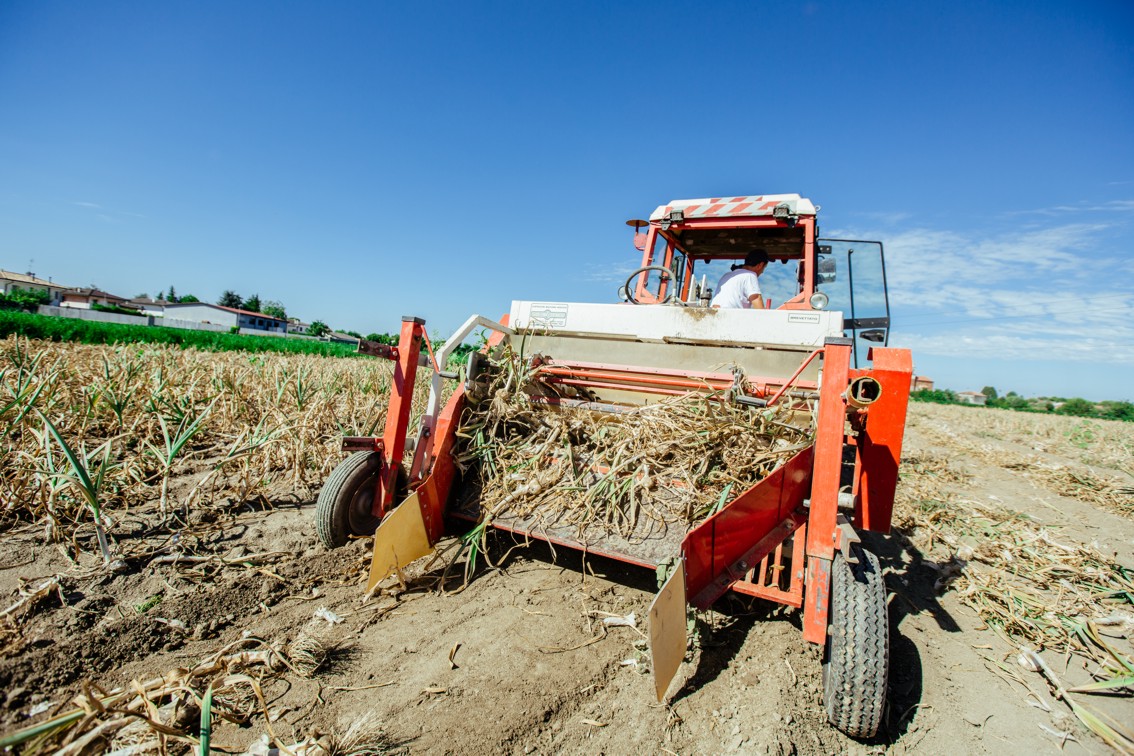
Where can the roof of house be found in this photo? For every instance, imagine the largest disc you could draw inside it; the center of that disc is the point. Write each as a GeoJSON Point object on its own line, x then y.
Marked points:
{"type": "Point", "coordinates": [148, 301]}
{"type": "Point", "coordinates": [93, 292]}
{"type": "Point", "coordinates": [969, 393]}
{"type": "Point", "coordinates": [27, 278]}
{"type": "Point", "coordinates": [249, 313]}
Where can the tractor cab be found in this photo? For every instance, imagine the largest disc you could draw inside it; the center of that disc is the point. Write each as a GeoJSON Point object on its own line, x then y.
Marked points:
{"type": "Point", "coordinates": [687, 245]}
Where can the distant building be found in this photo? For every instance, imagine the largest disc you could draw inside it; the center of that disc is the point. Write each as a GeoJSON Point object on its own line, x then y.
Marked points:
{"type": "Point", "coordinates": [202, 312]}
{"type": "Point", "coordinates": [148, 305]}
{"type": "Point", "coordinates": [11, 282]}
{"type": "Point", "coordinates": [294, 326]}
{"type": "Point", "coordinates": [82, 299]}
{"type": "Point", "coordinates": [920, 382]}
{"type": "Point", "coordinates": [972, 397]}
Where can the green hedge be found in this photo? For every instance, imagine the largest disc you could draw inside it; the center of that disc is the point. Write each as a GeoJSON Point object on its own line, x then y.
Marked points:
{"type": "Point", "coordinates": [94, 332]}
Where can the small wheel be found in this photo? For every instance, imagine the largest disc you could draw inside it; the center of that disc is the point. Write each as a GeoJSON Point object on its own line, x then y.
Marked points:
{"type": "Point", "coordinates": [662, 271]}
{"type": "Point", "coordinates": [856, 661]}
{"type": "Point", "coordinates": [343, 507]}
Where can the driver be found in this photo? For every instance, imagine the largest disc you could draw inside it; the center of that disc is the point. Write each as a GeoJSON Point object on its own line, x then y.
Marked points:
{"type": "Point", "coordinates": [740, 287]}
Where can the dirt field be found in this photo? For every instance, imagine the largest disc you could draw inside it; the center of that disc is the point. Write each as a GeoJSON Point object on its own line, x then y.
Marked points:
{"type": "Point", "coordinates": [520, 661]}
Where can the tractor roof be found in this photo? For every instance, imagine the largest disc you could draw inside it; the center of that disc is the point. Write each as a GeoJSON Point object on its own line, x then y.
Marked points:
{"type": "Point", "coordinates": [732, 207]}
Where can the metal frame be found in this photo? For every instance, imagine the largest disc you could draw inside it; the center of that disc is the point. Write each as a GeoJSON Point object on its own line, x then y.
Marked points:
{"type": "Point", "coordinates": [735, 548]}
{"type": "Point", "coordinates": [798, 302]}
{"type": "Point", "coordinates": [741, 547]}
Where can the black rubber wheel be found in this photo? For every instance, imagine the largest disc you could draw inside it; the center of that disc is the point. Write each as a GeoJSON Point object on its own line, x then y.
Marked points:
{"type": "Point", "coordinates": [856, 662]}
{"type": "Point", "coordinates": [343, 507]}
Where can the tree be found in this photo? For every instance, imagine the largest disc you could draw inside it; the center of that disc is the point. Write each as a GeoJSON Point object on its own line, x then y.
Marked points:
{"type": "Point", "coordinates": [1078, 407]}
{"type": "Point", "coordinates": [143, 295]}
{"type": "Point", "coordinates": [24, 299]}
{"type": "Point", "coordinates": [275, 309]}
{"type": "Point", "coordinates": [252, 303]}
{"type": "Point", "coordinates": [990, 392]}
{"type": "Point", "coordinates": [173, 295]}
{"type": "Point", "coordinates": [230, 299]}
{"type": "Point", "coordinates": [188, 298]}
{"type": "Point", "coordinates": [355, 334]}
{"type": "Point", "coordinates": [1117, 411]}
{"type": "Point", "coordinates": [161, 296]}
{"type": "Point", "coordinates": [319, 328]}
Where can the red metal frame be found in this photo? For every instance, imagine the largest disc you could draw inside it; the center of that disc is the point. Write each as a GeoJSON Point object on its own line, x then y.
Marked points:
{"type": "Point", "coordinates": [764, 580]}
{"type": "Point", "coordinates": [821, 532]}
{"type": "Point", "coordinates": [879, 447]}
{"type": "Point", "coordinates": [398, 413]}
{"type": "Point", "coordinates": [806, 223]}
{"type": "Point", "coordinates": [663, 381]}
{"type": "Point", "coordinates": [742, 546]}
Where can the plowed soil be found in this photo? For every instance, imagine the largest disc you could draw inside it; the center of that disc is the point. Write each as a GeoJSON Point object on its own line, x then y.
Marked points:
{"type": "Point", "coordinates": [519, 661]}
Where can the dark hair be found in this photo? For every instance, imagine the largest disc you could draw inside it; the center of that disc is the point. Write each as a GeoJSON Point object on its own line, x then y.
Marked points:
{"type": "Point", "coordinates": [755, 257]}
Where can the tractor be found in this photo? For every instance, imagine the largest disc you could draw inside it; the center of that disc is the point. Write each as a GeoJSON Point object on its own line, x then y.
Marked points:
{"type": "Point", "coordinates": [819, 347]}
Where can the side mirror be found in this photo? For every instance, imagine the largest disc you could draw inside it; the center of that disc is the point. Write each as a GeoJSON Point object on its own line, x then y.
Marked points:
{"type": "Point", "coordinates": [874, 334]}
{"type": "Point", "coordinates": [623, 294]}
{"type": "Point", "coordinates": [826, 272]}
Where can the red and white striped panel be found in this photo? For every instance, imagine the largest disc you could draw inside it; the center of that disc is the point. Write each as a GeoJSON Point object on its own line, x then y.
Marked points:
{"type": "Point", "coordinates": [725, 207]}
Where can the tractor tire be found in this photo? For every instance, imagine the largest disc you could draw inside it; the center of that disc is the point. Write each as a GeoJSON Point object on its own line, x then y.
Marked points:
{"type": "Point", "coordinates": [343, 507]}
{"type": "Point", "coordinates": [856, 663]}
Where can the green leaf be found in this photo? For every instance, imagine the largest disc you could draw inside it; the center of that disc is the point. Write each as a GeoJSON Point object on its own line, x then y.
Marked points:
{"type": "Point", "coordinates": [206, 722]}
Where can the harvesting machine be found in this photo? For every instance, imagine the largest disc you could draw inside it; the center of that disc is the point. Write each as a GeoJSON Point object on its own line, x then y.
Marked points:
{"type": "Point", "coordinates": [792, 538]}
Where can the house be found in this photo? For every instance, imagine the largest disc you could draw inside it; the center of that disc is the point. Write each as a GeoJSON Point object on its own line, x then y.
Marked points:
{"type": "Point", "coordinates": [148, 305]}
{"type": "Point", "coordinates": [83, 299]}
{"type": "Point", "coordinates": [11, 282]}
{"type": "Point", "coordinates": [202, 312]}
{"type": "Point", "coordinates": [922, 383]}
{"type": "Point", "coordinates": [972, 397]}
{"type": "Point", "coordinates": [294, 326]}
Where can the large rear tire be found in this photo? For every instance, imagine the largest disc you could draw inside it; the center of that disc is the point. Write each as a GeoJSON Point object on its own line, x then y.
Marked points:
{"type": "Point", "coordinates": [856, 663]}
{"type": "Point", "coordinates": [344, 505]}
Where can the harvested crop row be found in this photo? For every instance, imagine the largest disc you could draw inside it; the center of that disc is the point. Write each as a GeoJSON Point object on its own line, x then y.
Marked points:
{"type": "Point", "coordinates": [675, 461]}
{"type": "Point", "coordinates": [89, 430]}
{"type": "Point", "coordinates": [1032, 587]}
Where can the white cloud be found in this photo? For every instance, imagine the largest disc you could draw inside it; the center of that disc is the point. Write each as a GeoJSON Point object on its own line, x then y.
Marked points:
{"type": "Point", "coordinates": [1060, 292]}
{"type": "Point", "coordinates": [1112, 206]}
{"type": "Point", "coordinates": [608, 274]}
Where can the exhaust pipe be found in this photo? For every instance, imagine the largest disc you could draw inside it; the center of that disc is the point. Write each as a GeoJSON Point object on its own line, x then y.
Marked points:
{"type": "Point", "coordinates": [863, 392]}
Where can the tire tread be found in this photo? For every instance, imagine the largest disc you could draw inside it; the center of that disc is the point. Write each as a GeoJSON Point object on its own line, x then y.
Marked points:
{"type": "Point", "coordinates": [331, 511]}
{"type": "Point", "coordinates": [856, 670]}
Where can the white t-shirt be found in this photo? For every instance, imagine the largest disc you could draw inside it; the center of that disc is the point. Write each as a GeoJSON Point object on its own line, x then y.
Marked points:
{"type": "Point", "coordinates": [735, 288]}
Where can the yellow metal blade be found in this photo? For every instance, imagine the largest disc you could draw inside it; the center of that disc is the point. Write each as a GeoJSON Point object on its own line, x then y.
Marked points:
{"type": "Point", "coordinates": [667, 630]}
{"type": "Point", "coordinates": [401, 538]}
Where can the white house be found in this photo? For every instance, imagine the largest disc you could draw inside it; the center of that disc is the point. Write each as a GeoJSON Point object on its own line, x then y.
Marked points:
{"type": "Point", "coordinates": [202, 312]}
{"type": "Point", "coordinates": [149, 306]}
{"type": "Point", "coordinates": [10, 282]}
{"type": "Point", "coordinates": [82, 299]}
{"type": "Point", "coordinates": [972, 397]}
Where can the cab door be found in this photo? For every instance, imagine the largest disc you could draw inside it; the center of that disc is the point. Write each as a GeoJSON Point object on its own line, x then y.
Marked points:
{"type": "Point", "coordinates": [852, 272]}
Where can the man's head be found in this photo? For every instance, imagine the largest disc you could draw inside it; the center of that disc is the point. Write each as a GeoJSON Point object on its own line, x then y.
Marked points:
{"type": "Point", "coordinates": [756, 260]}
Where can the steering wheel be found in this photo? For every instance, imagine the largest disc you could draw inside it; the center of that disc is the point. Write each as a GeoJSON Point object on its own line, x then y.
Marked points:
{"type": "Point", "coordinates": [663, 272]}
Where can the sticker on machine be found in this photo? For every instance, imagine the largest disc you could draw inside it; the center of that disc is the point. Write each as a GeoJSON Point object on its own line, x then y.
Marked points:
{"type": "Point", "coordinates": [803, 317]}
{"type": "Point", "coordinates": [547, 315]}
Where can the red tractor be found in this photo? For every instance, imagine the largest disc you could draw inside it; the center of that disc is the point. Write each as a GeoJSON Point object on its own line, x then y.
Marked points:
{"type": "Point", "coordinates": [793, 537]}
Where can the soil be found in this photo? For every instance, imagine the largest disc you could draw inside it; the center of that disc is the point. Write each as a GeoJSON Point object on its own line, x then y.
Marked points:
{"type": "Point", "coordinates": [519, 661]}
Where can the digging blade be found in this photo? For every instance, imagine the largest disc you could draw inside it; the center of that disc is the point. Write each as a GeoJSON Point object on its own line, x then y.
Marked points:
{"type": "Point", "coordinates": [400, 539]}
{"type": "Point", "coordinates": [667, 631]}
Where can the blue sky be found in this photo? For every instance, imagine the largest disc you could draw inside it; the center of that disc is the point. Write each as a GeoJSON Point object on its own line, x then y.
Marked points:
{"type": "Point", "coordinates": [361, 161]}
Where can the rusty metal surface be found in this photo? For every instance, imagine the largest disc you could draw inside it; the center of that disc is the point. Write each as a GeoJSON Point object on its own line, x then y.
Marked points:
{"type": "Point", "coordinates": [362, 443]}
{"type": "Point", "coordinates": [648, 545]}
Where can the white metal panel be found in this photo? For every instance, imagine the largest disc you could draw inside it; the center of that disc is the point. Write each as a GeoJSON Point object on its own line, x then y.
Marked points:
{"type": "Point", "coordinates": [725, 207]}
{"type": "Point", "coordinates": [675, 323]}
